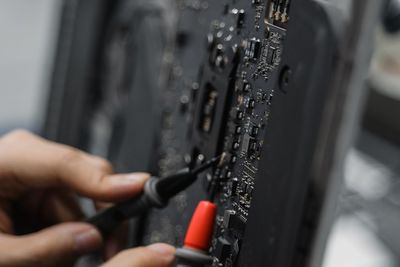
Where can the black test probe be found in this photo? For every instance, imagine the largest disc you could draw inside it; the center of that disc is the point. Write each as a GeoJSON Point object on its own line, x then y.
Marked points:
{"type": "Point", "coordinates": [157, 192]}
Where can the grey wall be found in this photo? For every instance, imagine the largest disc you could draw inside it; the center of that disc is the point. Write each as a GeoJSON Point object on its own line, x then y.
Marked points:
{"type": "Point", "coordinates": [27, 36]}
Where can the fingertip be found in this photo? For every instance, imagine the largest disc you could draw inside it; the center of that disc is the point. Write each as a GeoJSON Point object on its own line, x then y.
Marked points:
{"type": "Point", "coordinates": [132, 179]}
{"type": "Point", "coordinates": [119, 187]}
{"type": "Point", "coordinates": [59, 243]}
{"type": "Point", "coordinates": [87, 241]}
{"type": "Point", "coordinates": [156, 255]}
{"type": "Point", "coordinates": [85, 237]}
{"type": "Point", "coordinates": [164, 251]}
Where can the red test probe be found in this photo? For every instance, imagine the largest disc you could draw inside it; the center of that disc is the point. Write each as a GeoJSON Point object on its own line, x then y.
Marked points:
{"type": "Point", "coordinates": [194, 253]}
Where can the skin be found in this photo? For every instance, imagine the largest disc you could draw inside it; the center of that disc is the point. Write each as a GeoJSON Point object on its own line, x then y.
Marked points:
{"type": "Point", "coordinates": [39, 183]}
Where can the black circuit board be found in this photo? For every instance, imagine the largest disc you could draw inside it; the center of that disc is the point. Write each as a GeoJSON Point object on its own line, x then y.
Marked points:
{"type": "Point", "coordinates": [225, 67]}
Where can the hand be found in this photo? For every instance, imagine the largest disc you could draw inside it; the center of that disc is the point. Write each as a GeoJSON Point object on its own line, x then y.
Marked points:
{"type": "Point", "coordinates": [38, 176]}
{"type": "Point", "coordinates": [157, 255]}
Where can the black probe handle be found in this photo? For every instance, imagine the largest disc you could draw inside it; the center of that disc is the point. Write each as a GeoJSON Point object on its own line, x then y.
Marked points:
{"type": "Point", "coordinates": [107, 220]}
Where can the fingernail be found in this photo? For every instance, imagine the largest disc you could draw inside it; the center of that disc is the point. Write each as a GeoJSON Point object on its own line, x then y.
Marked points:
{"type": "Point", "coordinates": [87, 241]}
{"type": "Point", "coordinates": [164, 250]}
{"type": "Point", "coordinates": [132, 178]}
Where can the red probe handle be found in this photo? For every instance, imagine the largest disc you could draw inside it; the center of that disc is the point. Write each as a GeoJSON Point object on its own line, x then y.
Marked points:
{"type": "Point", "coordinates": [199, 233]}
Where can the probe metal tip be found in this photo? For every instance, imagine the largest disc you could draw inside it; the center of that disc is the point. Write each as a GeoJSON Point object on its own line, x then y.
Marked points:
{"type": "Point", "coordinates": [222, 159]}
{"type": "Point", "coordinates": [219, 159]}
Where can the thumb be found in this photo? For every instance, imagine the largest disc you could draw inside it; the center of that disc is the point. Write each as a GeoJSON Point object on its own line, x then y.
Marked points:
{"type": "Point", "coordinates": [53, 246]}
{"type": "Point", "coordinates": [156, 255]}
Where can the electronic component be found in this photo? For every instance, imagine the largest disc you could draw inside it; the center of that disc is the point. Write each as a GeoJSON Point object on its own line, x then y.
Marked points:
{"type": "Point", "coordinates": [277, 11]}
{"type": "Point", "coordinates": [208, 110]}
{"type": "Point", "coordinates": [253, 48]}
{"type": "Point", "coordinates": [270, 56]}
{"type": "Point", "coordinates": [240, 15]}
{"type": "Point", "coordinates": [223, 248]}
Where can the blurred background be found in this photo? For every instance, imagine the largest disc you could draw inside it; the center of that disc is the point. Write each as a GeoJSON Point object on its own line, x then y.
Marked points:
{"type": "Point", "coordinates": [28, 31]}
{"type": "Point", "coordinates": [367, 230]}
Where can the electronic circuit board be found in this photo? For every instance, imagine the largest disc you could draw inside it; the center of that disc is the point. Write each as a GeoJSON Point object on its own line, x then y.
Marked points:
{"type": "Point", "coordinates": [218, 100]}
